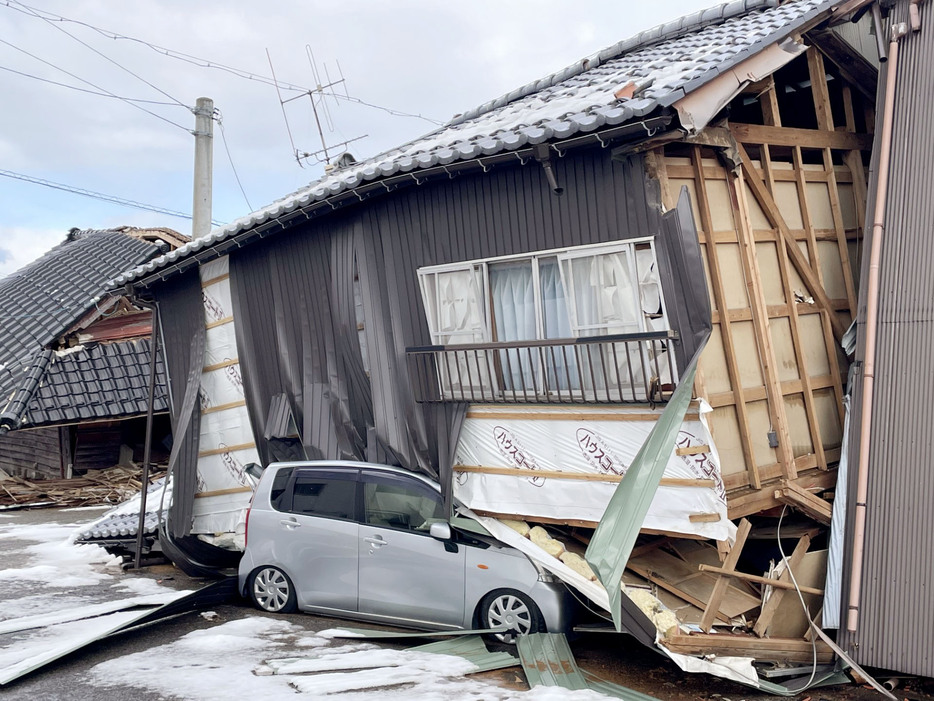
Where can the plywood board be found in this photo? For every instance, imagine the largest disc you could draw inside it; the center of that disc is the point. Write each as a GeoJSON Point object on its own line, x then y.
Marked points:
{"type": "Point", "coordinates": [713, 364]}
{"type": "Point", "coordinates": [831, 268]}
{"type": "Point", "coordinates": [734, 283]}
{"type": "Point", "coordinates": [786, 197]}
{"type": "Point", "coordinates": [783, 345]}
{"type": "Point", "coordinates": [725, 430]}
{"type": "Point", "coordinates": [812, 340]}
{"type": "Point", "coordinates": [828, 418]}
{"type": "Point", "coordinates": [789, 620]}
{"type": "Point", "coordinates": [819, 205]}
{"type": "Point", "coordinates": [744, 343]}
{"type": "Point", "coordinates": [668, 571]}
{"type": "Point", "coordinates": [798, 427]}
{"type": "Point", "coordinates": [721, 214]}
{"type": "Point", "coordinates": [760, 423]}
{"type": "Point", "coordinates": [769, 266]}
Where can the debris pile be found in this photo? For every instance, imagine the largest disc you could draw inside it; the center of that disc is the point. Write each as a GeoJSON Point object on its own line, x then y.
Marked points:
{"type": "Point", "coordinates": [99, 487]}
{"type": "Point", "coordinates": [704, 600]}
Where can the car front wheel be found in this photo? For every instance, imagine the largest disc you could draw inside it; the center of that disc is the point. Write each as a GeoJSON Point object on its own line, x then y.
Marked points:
{"type": "Point", "coordinates": [510, 608]}
{"type": "Point", "coordinates": [271, 590]}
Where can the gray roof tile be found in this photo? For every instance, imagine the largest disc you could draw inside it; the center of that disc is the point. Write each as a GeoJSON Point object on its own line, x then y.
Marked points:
{"type": "Point", "coordinates": [665, 62]}
{"type": "Point", "coordinates": [41, 300]}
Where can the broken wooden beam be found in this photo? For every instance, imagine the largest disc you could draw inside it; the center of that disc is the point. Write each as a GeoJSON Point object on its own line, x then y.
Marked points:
{"type": "Point", "coordinates": [760, 649]}
{"type": "Point", "coordinates": [806, 502]}
{"type": "Point", "coordinates": [722, 584]}
{"type": "Point", "coordinates": [756, 579]}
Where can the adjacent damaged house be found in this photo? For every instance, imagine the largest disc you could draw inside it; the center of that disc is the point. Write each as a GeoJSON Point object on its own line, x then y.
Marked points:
{"type": "Point", "coordinates": [74, 360]}
{"type": "Point", "coordinates": [508, 303]}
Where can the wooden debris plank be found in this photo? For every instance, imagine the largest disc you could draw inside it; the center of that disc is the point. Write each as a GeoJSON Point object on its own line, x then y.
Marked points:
{"type": "Point", "coordinates": [580, 476]}
{"type": "Point", "coordinates": [803, 500]}
{"type": "Point", "coordinates": [762, 649]}
{"type": "Point", "coordinates": [695, 587]}
{"type": "Point", "coordinates": [769, 581]}
{"type": "Point", "coordinates": [722, 584]}
{"type": "Point", "coordinates": [771, 606]}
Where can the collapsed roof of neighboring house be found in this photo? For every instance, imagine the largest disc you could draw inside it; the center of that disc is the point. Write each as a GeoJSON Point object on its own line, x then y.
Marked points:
{"type": "Point", "coordinates": [59, 294]}
{"type": "Point", "coordinates": [629, 87]}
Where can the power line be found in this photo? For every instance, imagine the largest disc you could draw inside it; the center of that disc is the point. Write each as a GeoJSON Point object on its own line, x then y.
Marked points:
{"type": "Point", "coordinates": [205, 63]}
{"type": "Point", "coordinates": [93, 85]}
{"type": "Point", "coordinates": [99, 53]}
{"type": "Point", "coordinates": [85, 90]}
{"type": "Point", "coordinates": [220, 123]}
{"type": "Point", "coordinates": [99, 195]}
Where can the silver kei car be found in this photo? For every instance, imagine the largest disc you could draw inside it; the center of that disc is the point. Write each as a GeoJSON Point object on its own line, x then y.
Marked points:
{"type": "Point", "coordinates": [371, 542]}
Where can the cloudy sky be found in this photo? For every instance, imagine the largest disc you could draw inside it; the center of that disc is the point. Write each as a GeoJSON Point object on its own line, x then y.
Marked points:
{"type": "Point", "coordinates": [126, 132]}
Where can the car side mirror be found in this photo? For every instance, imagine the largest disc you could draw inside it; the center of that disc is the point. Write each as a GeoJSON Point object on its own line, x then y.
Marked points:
{"type": "Point", "coordinates": [440, 530]}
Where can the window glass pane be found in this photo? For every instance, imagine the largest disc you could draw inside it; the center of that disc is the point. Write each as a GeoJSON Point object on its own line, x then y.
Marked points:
{"type": "Point", "coordinates": [512, 295]}
{"type": "Point", "coordinates": [329, 497]}
{"type": "Point", "coordinates": [277, 491]}
{"type": "Point", "coordinates": [391, 505]}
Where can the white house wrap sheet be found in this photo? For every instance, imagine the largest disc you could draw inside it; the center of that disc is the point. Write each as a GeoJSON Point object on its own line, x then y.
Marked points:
{"type": "Point", "coordinates": [591, 440]}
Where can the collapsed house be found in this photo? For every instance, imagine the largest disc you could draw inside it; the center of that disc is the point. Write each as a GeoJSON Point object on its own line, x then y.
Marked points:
{"type": "Point", "coordinates": [75, 361]}
{"type": "Point", "coordinates": [508, 302]}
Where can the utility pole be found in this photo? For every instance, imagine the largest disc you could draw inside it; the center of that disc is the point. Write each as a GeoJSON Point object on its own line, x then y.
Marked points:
{"type": "Point", "coordinates": [204, 167]}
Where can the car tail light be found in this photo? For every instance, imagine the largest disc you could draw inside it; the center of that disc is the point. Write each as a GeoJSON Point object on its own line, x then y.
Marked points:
{"type": "Point", "coordinates": [246, 523]}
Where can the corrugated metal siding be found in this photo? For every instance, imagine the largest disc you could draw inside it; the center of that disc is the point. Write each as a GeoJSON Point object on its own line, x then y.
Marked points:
{"type": "Point", "coordinates": [293, 293]}
{"type": "Point", "coordinates": [896, 606]}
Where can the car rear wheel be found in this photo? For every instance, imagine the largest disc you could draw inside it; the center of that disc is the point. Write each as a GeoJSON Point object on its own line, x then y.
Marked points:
{"type": "Point", "coordinates": [271, 590]}
{"type": "Point", "coordinates": [513, 609]}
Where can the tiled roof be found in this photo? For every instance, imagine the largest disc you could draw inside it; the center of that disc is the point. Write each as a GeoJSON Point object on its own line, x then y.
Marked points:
{"type": "Point", "coordinates": [664, 64]}
{"type": "Point", "coordinates": [102, 381]}
{"type": "Point", "coordinates": [122, 521]}
{"type": "Point", "coordinates": [47, 296]}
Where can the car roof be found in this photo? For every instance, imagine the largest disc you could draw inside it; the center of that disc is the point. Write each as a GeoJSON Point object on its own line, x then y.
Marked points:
{"type": "Point", "coordinates": [347, 464]}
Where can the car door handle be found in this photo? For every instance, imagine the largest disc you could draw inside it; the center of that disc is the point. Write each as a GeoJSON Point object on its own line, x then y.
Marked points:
{"type": "Point", "coordinates": [290, 523]}
{"type": "Point", "coordinates": [376, 540]}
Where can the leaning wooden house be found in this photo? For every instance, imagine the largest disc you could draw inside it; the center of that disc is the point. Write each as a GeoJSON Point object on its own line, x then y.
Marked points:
{"type": "Point", "coordinates": [508, 302]}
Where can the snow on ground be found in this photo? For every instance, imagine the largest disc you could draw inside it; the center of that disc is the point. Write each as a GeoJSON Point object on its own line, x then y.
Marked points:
{"type": "Point", "coordinates": [44, 573]}
{"type": "Point", "coordinates": [53, 559]}
{"type": "Point", "coordinates": [245, 658]}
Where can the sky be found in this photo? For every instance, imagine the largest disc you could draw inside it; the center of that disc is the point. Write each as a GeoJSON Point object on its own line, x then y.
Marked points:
{"type": "Point", "coordinates": [141, 66]}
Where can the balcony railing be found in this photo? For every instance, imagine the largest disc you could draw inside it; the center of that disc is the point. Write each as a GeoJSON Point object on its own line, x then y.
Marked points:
{"type": "Point", "coordinates": [625, 368]}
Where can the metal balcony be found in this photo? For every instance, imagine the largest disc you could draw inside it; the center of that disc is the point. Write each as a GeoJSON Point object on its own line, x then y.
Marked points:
{"type": "Point", "coordinates": [621, 369]}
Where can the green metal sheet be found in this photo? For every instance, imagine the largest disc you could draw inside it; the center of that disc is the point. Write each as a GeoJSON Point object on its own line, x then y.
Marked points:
{"type": "Point", "coordinates": [473, 649]}
{"type": "Point", "coordinates": [617, 531]}
{"type": "Point", "coordinates": [547, 661]}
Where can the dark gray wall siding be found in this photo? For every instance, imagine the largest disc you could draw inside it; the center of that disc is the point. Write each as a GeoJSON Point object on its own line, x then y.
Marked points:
{"type": "Point", "coordinates": [896, 607]}
{"type": "Point", "coordinates": [293, 294]}
{"type": "Point", "coordinates": [181, 317]}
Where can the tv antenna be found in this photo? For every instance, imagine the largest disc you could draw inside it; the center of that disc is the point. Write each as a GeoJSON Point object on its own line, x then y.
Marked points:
{"type": "Point", "coordinates": [319, 108]}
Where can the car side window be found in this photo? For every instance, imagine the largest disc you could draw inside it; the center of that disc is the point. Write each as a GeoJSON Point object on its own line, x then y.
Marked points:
{"type": "Point", "coordinates": [392, 504]}
{"type": "Point", "coordinates": [329, 497]}
{"type": "Point", "coordinates": [277, 493]}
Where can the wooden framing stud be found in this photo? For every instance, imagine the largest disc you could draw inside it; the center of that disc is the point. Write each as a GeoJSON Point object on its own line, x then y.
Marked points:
{"type": "Point", "coordinates": [719, 589]}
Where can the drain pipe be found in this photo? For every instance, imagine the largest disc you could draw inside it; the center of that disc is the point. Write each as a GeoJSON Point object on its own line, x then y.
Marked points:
{"type": "Point", "coordinates": [872, 309]}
